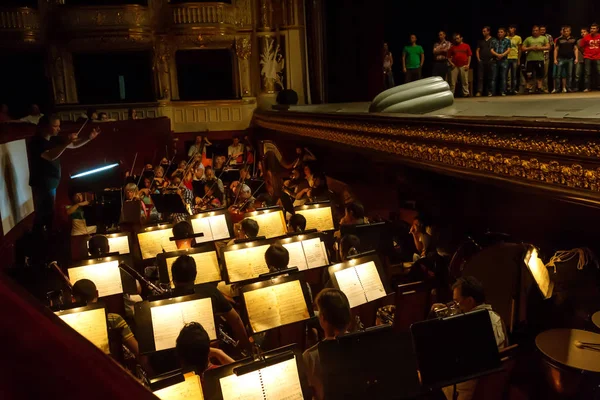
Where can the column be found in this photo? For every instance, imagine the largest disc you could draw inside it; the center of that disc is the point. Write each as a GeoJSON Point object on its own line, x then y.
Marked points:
{"type": "Point", "coordinates": [243, 51]}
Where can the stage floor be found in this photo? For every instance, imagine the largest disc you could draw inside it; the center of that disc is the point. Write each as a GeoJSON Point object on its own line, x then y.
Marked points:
{"type": "Point", "coordinates": [579, 107]}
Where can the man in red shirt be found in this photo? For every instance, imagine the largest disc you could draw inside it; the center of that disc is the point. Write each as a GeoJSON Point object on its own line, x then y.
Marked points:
{"type": "Point", "coordinates": [459, 58]}
{"type": "Point", "coordinates": [591, 54]}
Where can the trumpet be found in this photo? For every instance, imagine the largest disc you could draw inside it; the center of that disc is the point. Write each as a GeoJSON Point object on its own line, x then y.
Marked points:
{"type": "Point", "coordinates": [445, 310]}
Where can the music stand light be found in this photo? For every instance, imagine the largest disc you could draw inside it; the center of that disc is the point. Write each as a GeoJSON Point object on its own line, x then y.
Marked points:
{"type": "Point", "coordinates": [539, 272]}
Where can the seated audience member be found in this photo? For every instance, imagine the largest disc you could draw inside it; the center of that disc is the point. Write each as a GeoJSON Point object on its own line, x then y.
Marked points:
{"type": "Point", "coordinates": [354, 214]}
{"type": "Point", "coordinates": [297, 223]}
{"type": "Point", "coordinates": [184, 275]}
{"type": "Point", "coordinates": [90, 114]}
{"type": "Point", "coordinates": [4, 115]}
{"type": "Point", "coordinates": [75, 213]}
{"type": "Point", "coordinates": [194, 351]}
{"type": "Point", "coordinates": [334, 318]}
{"type": "Point", "coordinates": [468, 293]}
{"type": "Point", "coordinates": [84, 291]}
{"type": "Point", "coordinates": [423, 240]}
{"type": "Point", "coordinates": [132, 114]}
{"type": "Point", "coordinates": [277, 257]}
{"type": "Point", "coordinates": [34, 115]}
{"type": "Point", "coordinates": [99, 246]}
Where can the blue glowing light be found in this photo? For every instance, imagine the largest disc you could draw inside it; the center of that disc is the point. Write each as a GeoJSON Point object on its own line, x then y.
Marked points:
{"type": "Point", "coordinates": [95, 170]}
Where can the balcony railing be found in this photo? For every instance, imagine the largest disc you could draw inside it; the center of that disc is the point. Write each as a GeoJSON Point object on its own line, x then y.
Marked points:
{"type": "Point", "coordinates": [214, 15]}
{"type": "Point", "coordinates": [19, 19]}
{"type": "Point", "coordinates": [105, 18]}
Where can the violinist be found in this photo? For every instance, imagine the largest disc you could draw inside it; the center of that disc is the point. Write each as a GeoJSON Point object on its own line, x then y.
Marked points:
{"type": "Point", "coordinates": [186, 195]}
{"type": "Point", "coordinates": [318, 191]}
{"type": "Point", "coordinates": [211, 200]}
{"type": "Point", "coordinates": [209, 174]}
{"type": "Point", "coordinates": [132, 199]}
{"type": "Point", "coordinates": [219, 162]}
{"type": "Point", "coordinates": [198, 148]}
{"type": "Point", "coordinates": [297, 181]}
{"type": "Point", "coordinates": [159, 178]}
{"type": "Point", "coordinates": [180, 168]}
{"type": "Point", "coordinates": [198, 180]}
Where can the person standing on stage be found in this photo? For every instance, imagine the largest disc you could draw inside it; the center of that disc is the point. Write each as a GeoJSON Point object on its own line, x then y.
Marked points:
{"type": "Point", "coordinates": [413, 57]}
{"type": "Point", "coordinates": [388, 63]}
{"type": "Point", "coordinates": [580, 67]}
{"type": "Point", "coordinates": [565, 55]}
{"type": "Point", "coordinates": [535, 45]}
{"type": "Point", "coordinates": [459, 57]}
{"type": "Point", "coordinates": [514, 57]}
{"type": "Point", "coordinates": [45, 150]}
{"type": "Point", "coordinates": [440, 55]}
{"type": "Point", "coordinates": [484, 63]}
{"type": "Point", "coordinates": [500, 50]}
{"type": "Point", "coordinates": [591, 54]}
{"type": "Point", "coordinates": [546, 57]}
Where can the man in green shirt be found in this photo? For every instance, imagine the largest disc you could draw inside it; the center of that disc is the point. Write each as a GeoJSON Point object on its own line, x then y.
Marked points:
{"type": "Point", "coordinates": [535, 45]}
{"type": "Point", "coordinates": [412, 60]}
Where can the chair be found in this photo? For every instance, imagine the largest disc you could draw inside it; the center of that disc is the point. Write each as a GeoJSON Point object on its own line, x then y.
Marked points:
{"type": "Point", "coordinates": [413, 301]}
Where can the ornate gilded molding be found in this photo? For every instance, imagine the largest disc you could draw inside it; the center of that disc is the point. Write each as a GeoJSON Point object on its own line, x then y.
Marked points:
{"type": "Point", "coordinates": [105, 20]}
{"type": "Point", "coordinates": [562, 160]}
{"type": "Point", "coordinates": [204, 41]}
{"type": "Point", "coordinates": [243, 47]}
{"type": "Point", "coordinates": [19, 26]}
{"type": "Point", "coordinates": [211, 18]}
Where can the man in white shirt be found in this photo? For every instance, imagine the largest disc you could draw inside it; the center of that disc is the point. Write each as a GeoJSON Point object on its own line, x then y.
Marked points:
{"type": "Point", "coordinates": [34, 116]}
{"type": "Point", "coordinates": [235, 150]}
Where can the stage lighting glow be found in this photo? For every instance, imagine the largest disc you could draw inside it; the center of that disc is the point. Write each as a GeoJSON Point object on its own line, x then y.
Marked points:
{"type": "Point", "coordinates": [94, 171]}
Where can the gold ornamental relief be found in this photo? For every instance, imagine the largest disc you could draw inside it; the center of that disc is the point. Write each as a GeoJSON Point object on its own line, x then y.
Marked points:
{"type": "Point", "coordinates": [243, 48]}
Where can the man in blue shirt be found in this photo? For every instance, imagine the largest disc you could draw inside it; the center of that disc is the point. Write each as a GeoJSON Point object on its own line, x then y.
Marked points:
{"type": "Point", "coordinates": [500, 48]}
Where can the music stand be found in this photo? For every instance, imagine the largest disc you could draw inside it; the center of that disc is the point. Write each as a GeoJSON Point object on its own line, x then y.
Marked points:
{"type": "Point", "coordinates": [269, 225]}
{"type": "Point", "coordinates": [145, 328]}
{"type": "Point", "coordinates": [255, 314]}
{"type": "Point", "coordinates": [212, 378]}
{"type": "Point", "coordinates": [372, 236]}
{"type": "Point", "coordinates": [318, 215]}
{"type": "Point", "coordinates": [455, 349]}
{"type": "Point", "coordinates": [350, 370]}
{"type": "Point", "coordinates": [204, 252]}
{"type": "Point", "coordinates": [155, 240]}
{"type": "Point", "coordinates": [212, 224]}
{"type": "Point", "coordinates": [170, 203]}
{"type": "Point", "coordinates": [100, 335]}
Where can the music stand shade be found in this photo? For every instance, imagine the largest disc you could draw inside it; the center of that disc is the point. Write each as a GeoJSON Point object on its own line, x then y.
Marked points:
{"type": "Point", "coordinates": [455, 349]}
{"type": "Point", "coordinates": [539, 272]}
{"type": "Point", "coordinates": [170, 203]}
{"type": "Point", "coordinates": [349, 371]}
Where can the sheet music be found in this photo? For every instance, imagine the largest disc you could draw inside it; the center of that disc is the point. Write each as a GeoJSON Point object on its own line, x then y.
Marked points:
{"type": "Point", "coordinates": [207, 267]}
{"type": "Point", "coordinates": [370, 281]}
{"type": "Point", "coordinates": [270, 224]}
{"type": "Point", "coordinates": [202, 225]}
{"type": "Point", "coordinates": [314, 253]}
{"type": "Point", "coordinates": [243, 387]}
{"type": "Point", "coordinates": [91, 324]}
{"type": "Point", "coordinates": [276, 305]}
{"type": "Point", "coordinates": [246, 263]}
{"type": "Point", "coordinates": [168, 320]}
{"type": "Point", "coordinates": [292, 304]}
{"type": "Point", "coordinates": [153, 242]}
{"type": "Point", "coordinates": [106, 277]}
{"type": "Point", "coordinates": [281, 381]}
{"type": "Point", "coordinates": [119, 244]}
{"type": "Point", "coordinates": [190, 389]}
{"type": "Point", "coordinates": [297, 257]}
{"type": "Point", "coordinates": [219, 227]}
{"type": "Point", "coordinates": [350, 284]}
{"type": "Point", "coordinates": [263, 309]}
{"type": "Point", "coordinates": [318, 218]}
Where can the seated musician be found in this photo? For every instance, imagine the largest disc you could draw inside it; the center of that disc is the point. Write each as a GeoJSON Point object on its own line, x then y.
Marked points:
{"type": "Point", "coordinates": [423, 240]}
{"type": "Point", "coordinates": [354, 214]}
{"type": "Point", "coordinates": [213, 197]}
{"type": "Point", "coordinates": [235, 151]}
{"type": "Point", "coordinates": [132, 194]}
{"type": "Point", "coordinates": [277, 257]}
{"type": "Point", "coordinates": [194, 351]}
{"type": "Point", "coordinates": [335, 318]}
{"type": "Point", "coordinates": [75, 213]}
{"type": "Point", "coordinates": [186, 195]}
{"type": "Point", "coordinates": [198, 180]}
{"type": "Point", "coordinates": [297, 182]}
{"type": "Point", "coordinates": [469, 295]}
{"type": "Point", "coordinates": [211, 178]}
{"type": "Point", "coordinates": [184, 275]}
{"type": "Point", "coordinates": [303, 155]}
{"type": "Point", "coordinates": [247, 229]}
{"type": "Point", "coordinates": [195, 148]}
{"type": "Point", "coordinates": [84, 291]}
{"type": "Point", "coordinates": [297, 223]}
{"type": "Point", "coordinates": [159, 177]}
{"type": "Point", "coordinates": [99, 246]}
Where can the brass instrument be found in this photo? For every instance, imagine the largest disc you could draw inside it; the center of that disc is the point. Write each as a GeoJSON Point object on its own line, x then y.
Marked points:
{"type": "Point", "coordinates": [446, 310]}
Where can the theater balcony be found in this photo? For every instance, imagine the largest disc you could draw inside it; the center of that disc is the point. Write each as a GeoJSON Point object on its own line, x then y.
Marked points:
{"type": "Point", "coordinates": [204, 17]}
{"type": "Point", "coordinates": [19, 27]}
{"type": "Point", "coordinates": [128, 25]}
{"type": "Point", "coordinates": [552, 157]}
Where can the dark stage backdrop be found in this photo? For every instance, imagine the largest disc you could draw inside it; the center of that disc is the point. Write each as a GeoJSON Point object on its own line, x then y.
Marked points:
{"type": "Point", "coordinates": [356, 30]}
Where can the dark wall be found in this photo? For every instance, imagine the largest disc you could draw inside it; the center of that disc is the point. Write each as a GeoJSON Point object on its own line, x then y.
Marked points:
{"type": "Point", "coordinates": [205, 74]}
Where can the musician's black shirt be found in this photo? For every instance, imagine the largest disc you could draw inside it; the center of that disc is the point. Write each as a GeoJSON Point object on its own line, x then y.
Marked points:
{"type": "Point", "coordinates": [44, 173]}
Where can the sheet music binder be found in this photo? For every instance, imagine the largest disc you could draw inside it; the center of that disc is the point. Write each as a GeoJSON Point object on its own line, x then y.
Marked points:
{"type": "Point", "coordinates": [274, 229]}
{"type": "Point", "coordinates": [158, 244]}
{"type": "Point", "coordinates": [261, 247]}
{"type": "Point", "coordinates": [202, 276]}
{"type": "Point", "coordinates": [349, 371]}
{"type": "Point", "coordinates": [80, 270]}
{"type": "Point", "coordinates": [455, 349]}
{"type": "Point", "coordinates": [101, 342]}
{"type": "Point", "coordinates": [353, 293]}
{"type": "Point", "coordinates": [175, 385]}
{"type": "Point", "coordinates": [118, 242]}
{"type": "Point", "coordinates": [143, 320]}
{"type": "Point", "coordinates": [210, 216]}
{"type": "Point", "coordinates": [318, 215]}
{"type": "Point", "coordinates": [213, 377]}
{"type": "Point", "coordinates": [262, 317]}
